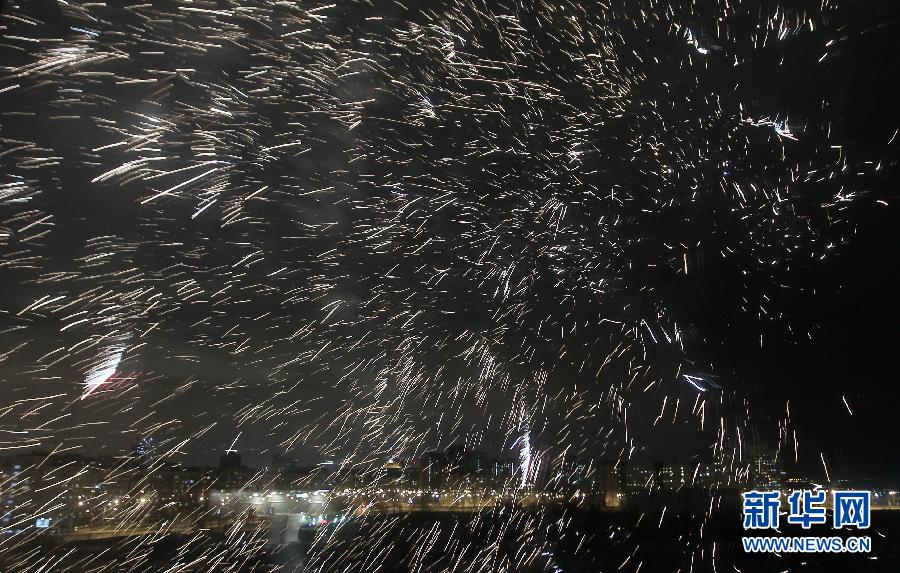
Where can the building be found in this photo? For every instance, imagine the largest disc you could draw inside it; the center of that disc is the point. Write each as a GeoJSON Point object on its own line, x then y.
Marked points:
{"type": "Point", "coordinates": [392, 473]}
{"type": "Point", "coordinates": [434, 470]}
{"type": "Point", "coordinates": [465, 467]}
{"type": "Point", "coordinates": [608, 483]}
{"type": "Point", "coordinates": [502, 470]}
{"type": "Point", "coordinates": [765, 472]}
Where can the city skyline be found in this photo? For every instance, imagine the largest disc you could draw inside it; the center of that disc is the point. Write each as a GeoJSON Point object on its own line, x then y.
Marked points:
{"type": "Point", "coordinates": [527, 286]}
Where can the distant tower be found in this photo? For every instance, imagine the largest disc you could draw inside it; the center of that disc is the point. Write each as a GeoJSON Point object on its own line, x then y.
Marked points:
{"type": "Point", "coordinates": [434, 466]}
{"type": "Point", "coordinates": [393, 471]}
{"type": "Point", "coordinates": [454, 455]}
{"type": "Point", "coordinates": [765, 471]}
{"type": "Point", "coordinates": [608, 482]}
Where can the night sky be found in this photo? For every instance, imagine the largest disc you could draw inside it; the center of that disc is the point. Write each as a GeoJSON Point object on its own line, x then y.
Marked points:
{"type": "Point", "coordinates": [369, 229]}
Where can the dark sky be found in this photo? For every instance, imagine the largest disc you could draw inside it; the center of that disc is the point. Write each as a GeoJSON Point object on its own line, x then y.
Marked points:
{"type": "Point", "coordinates": [374, 230]}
